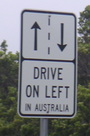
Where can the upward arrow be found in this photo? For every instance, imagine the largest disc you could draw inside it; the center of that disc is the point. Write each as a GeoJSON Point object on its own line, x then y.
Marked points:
{"type": "Point", "coordinates": [62, 46]}
{"type": "Point", "coordinates": [35, 26]}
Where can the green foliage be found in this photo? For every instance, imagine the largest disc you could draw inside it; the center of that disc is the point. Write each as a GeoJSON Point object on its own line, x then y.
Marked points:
{"type": "Point", "coordinates": [84, 48]}
{"type": "Point", "coordinates": [4, 46]}
{"type": "Point", "coordinates": [8, 90]}
{"type": "Point", "coordinates": [84, 64]}
{"type": "Point", "coordinates": [31, 128]}
{"type": "Point", "coordinates": [84, 26]}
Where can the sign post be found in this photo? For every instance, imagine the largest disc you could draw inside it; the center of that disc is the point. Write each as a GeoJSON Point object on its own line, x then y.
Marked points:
{"type": "Point", "coordinates": [48, 65]}
{"type": "Point", "coordinates": [43, 127]}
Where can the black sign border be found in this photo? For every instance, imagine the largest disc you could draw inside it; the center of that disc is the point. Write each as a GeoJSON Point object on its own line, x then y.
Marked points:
{"type": "Point", "coordinates": [21, 59]}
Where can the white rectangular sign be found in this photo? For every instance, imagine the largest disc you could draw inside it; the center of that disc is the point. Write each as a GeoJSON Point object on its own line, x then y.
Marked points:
{"type": "Point", "coordinates": [47, 74]}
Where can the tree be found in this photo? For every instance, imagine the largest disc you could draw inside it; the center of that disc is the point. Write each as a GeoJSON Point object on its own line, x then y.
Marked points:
{"type": "Point", "coordinates": [84, 26]}
{"type": "Point", "coordinates": [84, 64]}
{"type": "Point", "coordinates": [84, 47]}
{"type": "Point", "coordinates": [8, 89]}
{"type": "Point", "coordinates": [4, 46]}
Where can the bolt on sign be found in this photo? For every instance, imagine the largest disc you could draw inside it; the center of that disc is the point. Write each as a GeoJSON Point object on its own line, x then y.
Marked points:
{"type": "Point", "coordinates": [48, 65]}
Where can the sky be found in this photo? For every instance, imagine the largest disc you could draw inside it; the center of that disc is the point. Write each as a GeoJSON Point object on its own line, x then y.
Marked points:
{"type": "Point", "coordinates": [10, 16]}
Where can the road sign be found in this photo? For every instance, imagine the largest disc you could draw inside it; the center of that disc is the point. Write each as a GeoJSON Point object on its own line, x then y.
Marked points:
{"type": "Point", "coordinates": [48, 67]}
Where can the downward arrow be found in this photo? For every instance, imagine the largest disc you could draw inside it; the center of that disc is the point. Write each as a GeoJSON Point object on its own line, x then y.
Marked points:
{"type": "Point", "coordinates": [35, 26]}
{"type": "Point", "coordinates": [61, 46]}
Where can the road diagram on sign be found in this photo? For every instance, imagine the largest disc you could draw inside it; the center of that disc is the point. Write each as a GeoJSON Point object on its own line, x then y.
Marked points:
{"type": "Point", "coordinates": [36, 27]}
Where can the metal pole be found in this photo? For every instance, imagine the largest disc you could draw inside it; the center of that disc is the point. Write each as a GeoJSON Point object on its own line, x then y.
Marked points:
{"type": "Point", "coordinates": [43, 127]}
